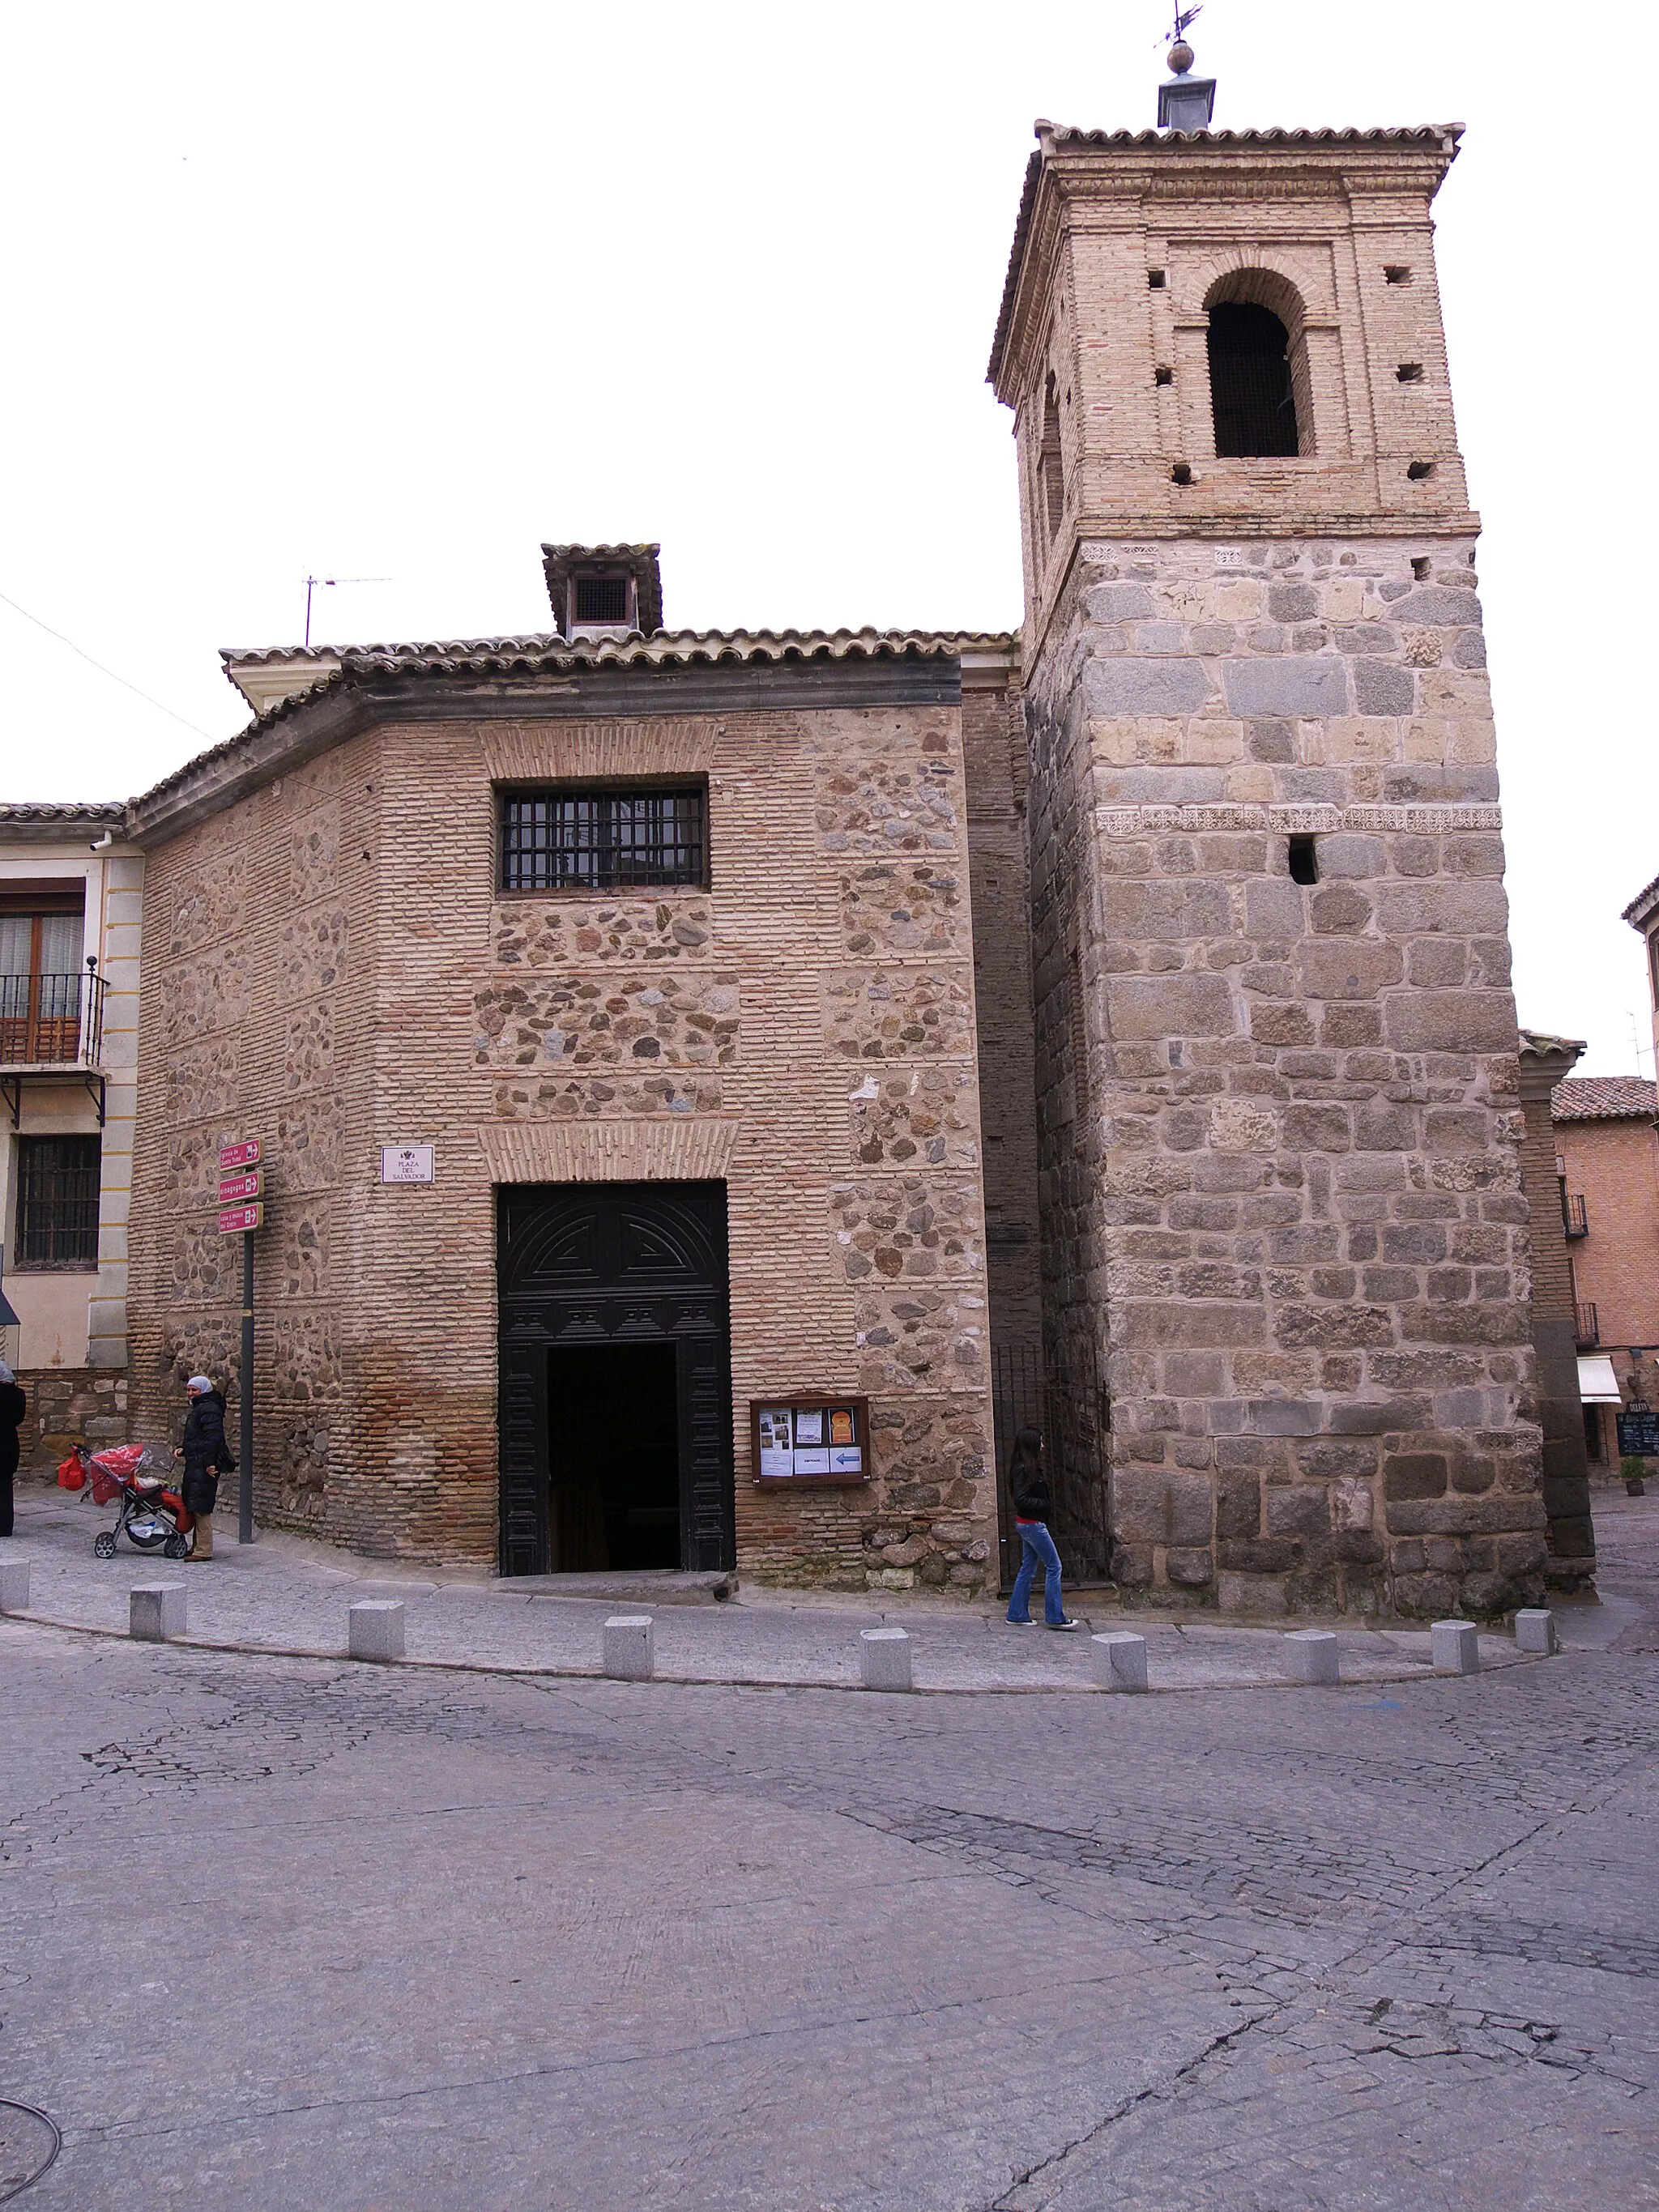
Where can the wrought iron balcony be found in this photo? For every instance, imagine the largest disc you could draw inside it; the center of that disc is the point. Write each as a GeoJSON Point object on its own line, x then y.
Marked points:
{"type": "Point", "coordinates": [1589, 1328]}
{"type": "Point", "coordinates": [1574, 1218]}
{"type": "Point", "coordinates": [53, 1021]}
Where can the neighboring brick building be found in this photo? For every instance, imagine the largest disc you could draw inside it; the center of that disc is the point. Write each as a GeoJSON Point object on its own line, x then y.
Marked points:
{"type": "Point", "coordinates": [1283, 1214]}
{"type": "Point", "coordinates": [1607, 1152]}
{"type": "Point", "coordinates": [70, 889]}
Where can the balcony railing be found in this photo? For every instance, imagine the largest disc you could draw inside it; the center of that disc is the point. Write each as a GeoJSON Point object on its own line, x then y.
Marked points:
{"type": "Point", "coordinates": [1574, 1218]}
{"type": "Point", "coordinates": [53, 1021]}
{"type": "Point", "coordinates": [1590, 1328]}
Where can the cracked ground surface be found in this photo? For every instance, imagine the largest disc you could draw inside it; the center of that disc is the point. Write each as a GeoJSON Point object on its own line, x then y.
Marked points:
{"type": "Point", "coordinates": [279, 1933]}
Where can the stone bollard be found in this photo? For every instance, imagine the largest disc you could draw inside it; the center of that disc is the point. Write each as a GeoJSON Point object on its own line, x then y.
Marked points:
{"type": "Point", "coordinates": [374, 1629]}
{"type": "Point", "coordinates": [1119, 1661]}
{"type": "Point", "coordinates": [1310, 1655]}
{"type": "Point", "coordinates": [1457, 1647]}
{"type": "Point", "coordinates": [157, 1612]}
{"type": "Point", "coordinates": [630, 1647]}
{"type": "Point", "coordinates": [13, 1585]}
{"type": "Point", "coordinates": [885, 1658]}
{"type": "Point", "coordinates": [1534, 1629]}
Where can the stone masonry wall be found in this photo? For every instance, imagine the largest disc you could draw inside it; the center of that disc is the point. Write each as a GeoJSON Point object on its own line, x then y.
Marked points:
{"type": "Point", "coordinates": [343, 975]}
{"type": "Point", "coordinates": [253, 923]}
{"type": "Point", "coordinates": [66, 1406]}
{"type": "Point", "coordinates": [1280, 1123]}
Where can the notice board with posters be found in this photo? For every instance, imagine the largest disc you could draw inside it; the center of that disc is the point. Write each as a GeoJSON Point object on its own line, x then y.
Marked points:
{"type": "Point", "coordinates": [1638, 1432]}
{"type": "Point", "coordinates": [800, 1441]}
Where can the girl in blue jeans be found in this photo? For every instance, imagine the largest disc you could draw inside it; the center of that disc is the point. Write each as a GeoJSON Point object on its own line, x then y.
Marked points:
{"type": "Point", "coordinates": [1029, 1488]}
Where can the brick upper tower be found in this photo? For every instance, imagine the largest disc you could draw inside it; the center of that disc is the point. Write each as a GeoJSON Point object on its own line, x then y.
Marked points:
{"type": "Point", "coordinates": [1284, 1239]}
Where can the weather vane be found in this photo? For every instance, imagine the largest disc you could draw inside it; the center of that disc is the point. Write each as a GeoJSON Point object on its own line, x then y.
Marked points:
{"type": "Point", "coordinates": [1184, 102]}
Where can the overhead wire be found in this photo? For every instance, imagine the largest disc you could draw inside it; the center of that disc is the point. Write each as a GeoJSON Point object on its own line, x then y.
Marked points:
{"type": "Point", "coordinates": [114, 678]}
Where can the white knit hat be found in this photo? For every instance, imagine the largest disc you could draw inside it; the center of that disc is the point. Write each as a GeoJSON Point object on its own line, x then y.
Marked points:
{"type": "Point", "coordinates": [199, 1382]}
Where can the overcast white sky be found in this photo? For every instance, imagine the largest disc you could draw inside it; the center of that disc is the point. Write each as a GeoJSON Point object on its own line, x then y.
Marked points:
{"type": "Point", "coordinates": [398, 291]}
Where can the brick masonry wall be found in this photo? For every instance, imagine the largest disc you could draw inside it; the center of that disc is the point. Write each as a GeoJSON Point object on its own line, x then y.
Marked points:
{"type": "Point", "coordinates": [1614, 1165]}
{"type": "Point", "coordinates": [993, 735]}
{"type": "Point", "coordinates": [1570, 1531]}
{"type": "Point", "coordinates": [1279, 1124]}
{"type": "Point", "coordinates": [66, 1406]}
{"type": "Point", "coordinates": [330, 968]}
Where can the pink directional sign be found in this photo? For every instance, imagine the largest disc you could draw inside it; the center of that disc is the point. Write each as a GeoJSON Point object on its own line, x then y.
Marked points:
{"type": "Point", "coordinates": [241, 1218]}
{"type": "Point", "coordinates": [232, 1156]}
{"type": "Point", "coordinates": [234, 1190]}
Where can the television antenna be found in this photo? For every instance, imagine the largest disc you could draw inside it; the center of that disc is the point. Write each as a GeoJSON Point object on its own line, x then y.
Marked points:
{"type": "Point", "coordinates": [330, 584]}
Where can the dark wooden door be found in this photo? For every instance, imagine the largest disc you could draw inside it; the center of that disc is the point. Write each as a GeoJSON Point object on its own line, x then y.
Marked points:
{"type": "Point", "coordinates": [597, 1263]}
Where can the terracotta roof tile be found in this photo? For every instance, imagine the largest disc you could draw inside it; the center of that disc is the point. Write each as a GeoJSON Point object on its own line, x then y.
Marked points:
{"type": "Point", "coordinates": [1604, 1098]}
{"type": "Point", "coordinates": [340, 667]}
{"type": "Point", "coordinates": [93, 810]}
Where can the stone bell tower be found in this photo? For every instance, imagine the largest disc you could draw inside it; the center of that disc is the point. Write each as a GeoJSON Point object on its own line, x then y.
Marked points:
{"type": "Point", "coordinates": [1286, 1249]}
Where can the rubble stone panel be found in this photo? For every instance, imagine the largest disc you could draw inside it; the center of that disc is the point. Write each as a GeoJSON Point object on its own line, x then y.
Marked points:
{"type": "Point", "coordinates": [681, 1019]}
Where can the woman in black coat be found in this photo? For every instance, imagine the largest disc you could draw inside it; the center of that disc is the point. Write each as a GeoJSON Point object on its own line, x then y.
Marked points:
{"type": "Point", "coordinates": [13, 1406]}
{"type": "Point", "coordinates": [1028, 1486]}
{"type": "Point", "coordinates": [206, 1456]}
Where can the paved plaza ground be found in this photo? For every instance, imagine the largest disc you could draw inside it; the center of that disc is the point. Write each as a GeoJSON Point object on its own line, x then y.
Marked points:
{"type": "Point", "coordinates": [286, 1931]}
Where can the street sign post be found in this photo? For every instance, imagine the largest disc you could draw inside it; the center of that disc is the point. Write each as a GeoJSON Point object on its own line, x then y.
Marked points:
{"type": "Point", "coordinates": [241, 1190]}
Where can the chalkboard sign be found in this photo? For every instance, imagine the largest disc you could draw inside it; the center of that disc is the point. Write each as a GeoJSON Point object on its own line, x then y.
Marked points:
{"type": "Point", "coordinates": [1638, 1433]}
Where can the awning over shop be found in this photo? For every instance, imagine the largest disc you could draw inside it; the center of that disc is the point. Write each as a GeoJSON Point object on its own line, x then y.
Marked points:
{"type": "Point", "coordinates": [1597, 1383]}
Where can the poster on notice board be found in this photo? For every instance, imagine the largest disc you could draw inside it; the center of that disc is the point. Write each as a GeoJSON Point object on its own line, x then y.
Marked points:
{"type": "Point", "coordinates": [812, 1440]}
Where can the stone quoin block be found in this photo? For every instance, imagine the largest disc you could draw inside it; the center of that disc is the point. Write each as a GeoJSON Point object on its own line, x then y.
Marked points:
{"type": "Point", "coordinates": [885, 1658]}
{"type": "Point", "coordinates": [630, 1647]}
{"type": "Point", "coordinates": [1310, 1655]}
{"type": "Point", "coordinates": [375, 1629]}
{"type": "Point", "coordinates": [1118, 1662]}
{"type": "Point", "coordinates": [157, 1612]}
{"type": "Point", "coordinates": [1534, 1629]}
{"type": "Point", "coordinates": [13, 1585]}
{"type": "Point", "coordinates": [1457, 1647]}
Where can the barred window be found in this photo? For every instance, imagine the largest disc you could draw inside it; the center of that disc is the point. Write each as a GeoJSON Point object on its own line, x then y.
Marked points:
{"type": "Point", "coordinates": [58, 1201]}
{"type": "Point", "coordinates": [602, 841]}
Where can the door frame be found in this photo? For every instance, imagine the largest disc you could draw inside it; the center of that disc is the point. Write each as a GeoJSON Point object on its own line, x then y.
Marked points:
{"type": "Point", "coordinates": [563, 1281]}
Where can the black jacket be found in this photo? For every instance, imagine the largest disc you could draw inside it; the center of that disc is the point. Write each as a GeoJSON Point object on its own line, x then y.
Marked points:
{"type": "Point", "coordinates": [1030, 1493]}
{"type": "Point", "coordinates": [13, 1406]}
{"type": "Point", "coordinates": [204, 1447]}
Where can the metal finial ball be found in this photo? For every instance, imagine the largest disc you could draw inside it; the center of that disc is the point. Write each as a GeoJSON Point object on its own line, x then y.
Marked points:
{"type": "Point", "coordinates": [1181, 58]}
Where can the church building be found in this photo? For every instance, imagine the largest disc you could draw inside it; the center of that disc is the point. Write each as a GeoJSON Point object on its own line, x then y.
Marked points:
{"type": "Point", "coordinates": [710, 1088]}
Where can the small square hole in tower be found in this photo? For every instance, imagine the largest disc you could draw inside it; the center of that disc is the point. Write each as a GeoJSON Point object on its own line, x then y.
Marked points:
{"type": "Point", "coordinates": [1157, 278]}
{"type": "Point", "coordinates": [1164, 376]}
{"type": "Point", "coordinates": [1410, 371]}
{"type": "Point", "coordinates": [1396, 273]}
{"type": "Point", "coordinates": [1419, 472]}
{"type": "Point", "coordinates": [1304, 861]}
{"type": "Point", "coordinates": [1421, 567]}
{"type": "Point", "coordinates": [1182, 473]}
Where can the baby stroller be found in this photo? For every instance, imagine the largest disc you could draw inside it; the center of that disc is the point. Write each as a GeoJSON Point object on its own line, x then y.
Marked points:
{"type": "Point", "coordinates": [152, 1514]}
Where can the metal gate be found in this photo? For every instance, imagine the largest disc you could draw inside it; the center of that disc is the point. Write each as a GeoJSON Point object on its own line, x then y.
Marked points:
{"type": "Point", "coordinates": [1029, 1393]}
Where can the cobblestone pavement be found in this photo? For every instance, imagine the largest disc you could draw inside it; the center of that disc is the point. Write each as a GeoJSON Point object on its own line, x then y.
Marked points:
{"type": "Point", "coordinates": [284, 1595]}
{"type": "Point", "coordinates": [286, 1932]}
